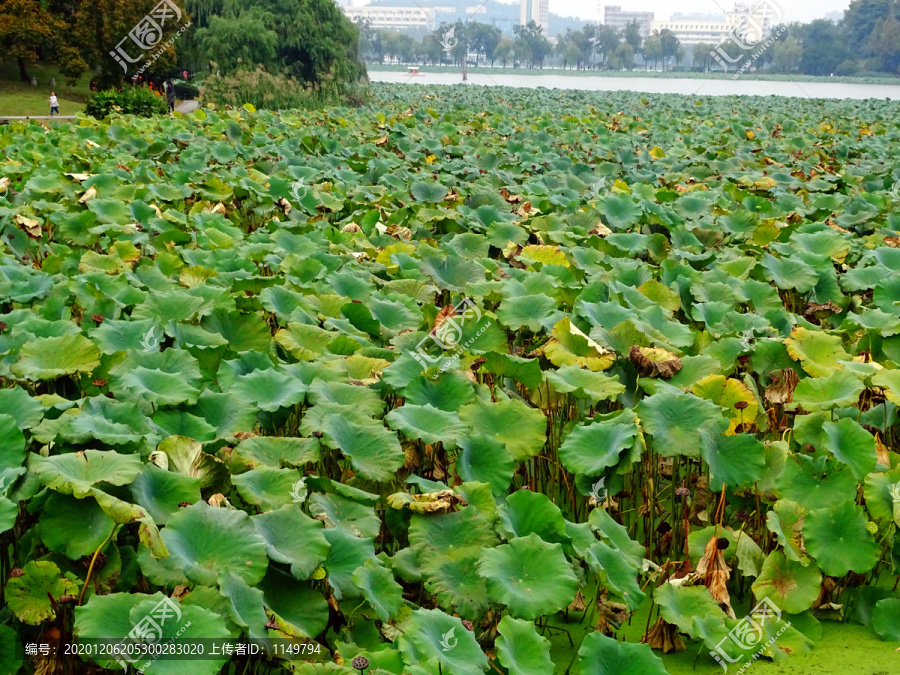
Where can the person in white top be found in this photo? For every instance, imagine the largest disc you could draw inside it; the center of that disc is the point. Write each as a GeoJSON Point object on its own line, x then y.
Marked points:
{"type": "Point", "coordinates": [54, 104]}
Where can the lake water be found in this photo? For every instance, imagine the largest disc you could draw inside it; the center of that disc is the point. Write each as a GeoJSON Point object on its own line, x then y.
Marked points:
{"type": "Point", "coordinates": [743, 86]}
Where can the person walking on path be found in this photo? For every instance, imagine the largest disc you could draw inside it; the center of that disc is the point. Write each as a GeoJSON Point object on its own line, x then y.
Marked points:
{"type": "Point", "coordinates": [54, 104]}
{"type": "Point", "coordinates": [170, 94]}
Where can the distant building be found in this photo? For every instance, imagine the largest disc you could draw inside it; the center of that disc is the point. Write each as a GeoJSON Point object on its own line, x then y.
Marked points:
{"type": "Point", "coordinates": [395, 17]}
{"type": "Point", "coordinates": [749, 24]}
{"type": "Point", "coordinates": [537, 11]}
{"type": "Point", "coordinates": [614, 17]}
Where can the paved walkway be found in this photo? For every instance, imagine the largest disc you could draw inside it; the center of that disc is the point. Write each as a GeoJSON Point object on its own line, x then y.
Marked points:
{"type": "Point", "coordinates": [184, 107]}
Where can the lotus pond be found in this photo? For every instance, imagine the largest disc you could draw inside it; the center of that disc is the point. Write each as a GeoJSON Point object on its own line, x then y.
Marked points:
{"type": "Point", "coordinates": [467, 380]}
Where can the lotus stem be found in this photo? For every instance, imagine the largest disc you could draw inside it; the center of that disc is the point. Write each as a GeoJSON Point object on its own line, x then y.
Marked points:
{"type": "Point", "coordinates": [87, 577]}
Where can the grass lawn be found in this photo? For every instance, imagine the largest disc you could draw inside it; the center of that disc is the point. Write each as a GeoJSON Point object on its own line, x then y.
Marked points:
{"type": "Point", "coordinates": [18, 98]}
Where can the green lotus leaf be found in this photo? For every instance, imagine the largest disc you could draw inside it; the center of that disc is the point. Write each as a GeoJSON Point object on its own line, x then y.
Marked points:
{"type": "Point", "coordinates": [275, 452]}
{"type": "Point", "coordinates": [750, 556]}
{"type": "Point", "coordinates": [786, 521]}
{"type": "Point", "coordinates": [593, 448]}
{"type": "Point", "coordinates": [344, 556]}
{"type": "Point", "coordinates": [521, 650]}
{"type": "Point", "coordinates": [790, 273]}
{"type": "Point", "coordinates": [267, 488]}
{"type": "Point", "coordinates": [337, 511]}
{"type": "Point", "coordinates": [733, 460]}
{"type": "Point", "coordinates": [246, 606]}
{"type": "Point", "coordinates": [814, 483]}
{"type": "Point", "coordinates": [485, 460]}
{"type": "Point", "coordinates": [448, 392]}
{"type": "Point", "coordinates": [106, 420]}
{"type": "Point", "coordinates": [448, 546]}
{"type": "Point", "coordinates": [568, 346]}
{"type": "Point", "coordinates": [529, 311]}
{"type": "Point", "coordinates": [295, 603]}
{"type": "Point", "coordinates": [819, 354]}
{"type": "Point", "coordinates": [12, 443]}
{"type": "Point", "coordinates": [526, 371]}
{"type": "Point", "coordinates": [169, 377]}
{"type": "Point", "coordinates": [206, 542]}
{"type": "Point", "coordinates": [616, 573]}
{"type": "Point", "coordinates": [842, 389]}
{"type": "Point", "coordinates": [10, 660]}
{"type": "Point", "coordinates": [520, 428]}
{"type": "Point", "coordinates": [886, 619]}
{"type": "Point", "coordinates": [124, 513]}
{"type": "Point", "coordinates": [430, 634]}
{"type": "Point", "coordinates": [118, 616]}
{"type": "Point", "coordinates": [601, 655]}
{"type": "Point", "coordinates": [838, 539]}
{"type": "Point", "coordinates": [362, 399]}
{"type": "Point", "coordinates": [792, 586]}
{"type": "Point", "coordinates": [46, 358]}
{"type": "Point", "coordinates": [529, 576]}
{"type": "Point", "coordinates": [527, 512]}
{"type": "Point", "coordinates": [77, 472]}
{"type": "Point", "coordinates": [852, 445]}
{"type": "Point", "coordinates": [427, 423]}
{"type": "Point", "coordinates": [882, 493]}
{"type": "Point", "coordinates": [76, 527]}
{"type": "Point", "coordinates": [380, 589]}
{"type": "Point", "coordinates": [34, 596]}
{"type": "Point", "coordinates": [694, 610]}
{"type": "Point", "coordinates": [428, 192]}
{"type": "Point", "coordinates": [293, 538]}
{"type": "Point", "coordinates": [185, 456]}
{"type": "Point", "coordinates": [121, 335]}
{"type": "Point", "coordinates": [270, 389]}
{"type": "Point", "coordinates": [161, 492]}
{"type": "Point", "coordinates": [676, 421]}
{"type": "Point", "coordinates": [374, 452]}
{"type": "Point", "coordinates": [182, 423]}
{"type": "Point", "coordinates": [620, 211]}
{"type": "Point", "coordinates": [582, 383]}
{"type": "Point", "coordinates": [26, 410]}
{"type": "Point", "coordinates": [616, 536]}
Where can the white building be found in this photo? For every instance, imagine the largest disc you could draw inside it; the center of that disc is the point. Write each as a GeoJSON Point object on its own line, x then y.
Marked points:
{"type": "Point", "coordinates": [394, 17]}
{"type": "Point", "coordinates": [747, 24]}
{"type": "Point", "coordinates": [537, 11]}
{"type": "Point", "coordinates": [614, 17]}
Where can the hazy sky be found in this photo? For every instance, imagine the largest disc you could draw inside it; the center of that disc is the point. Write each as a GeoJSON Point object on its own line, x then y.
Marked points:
{"type": "Point", "coordinates": [793, 10]}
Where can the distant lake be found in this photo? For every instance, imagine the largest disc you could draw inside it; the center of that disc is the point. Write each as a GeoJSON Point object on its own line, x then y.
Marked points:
{"type": "Point", "coordinates": [743, 86]}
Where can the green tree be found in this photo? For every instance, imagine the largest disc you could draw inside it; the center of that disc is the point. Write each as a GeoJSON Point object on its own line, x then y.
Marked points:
{"type": "Point", "coordinates": [633, 36]}
{"type": "Point", "coordinates": [624, 56]}
{"type": "Point", "coordinates": [669, 45]}
{"type": "Point", "coordinates": [606, 41]}
{"type": "Point", "coordinates": [504, 51]}
{"type": "Point", "coordinates": [653, 49]}
{"type": "Point", "coordinates": [823, 48]}
{"type": "Point", "coordinates": [860, 20]}
{"type": "Point", "coordinates": [315, 42]}
{"type": "Point", "coordinates": [230, 41]}
{"type": "Point", "coordinates": [701, 57]}
{"type": "Point", "coordinates": [530, 41]}
{"type": "Point", "coordinates": [786, 54]}
{"type": "Point", "coordinates": [884, 44]}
